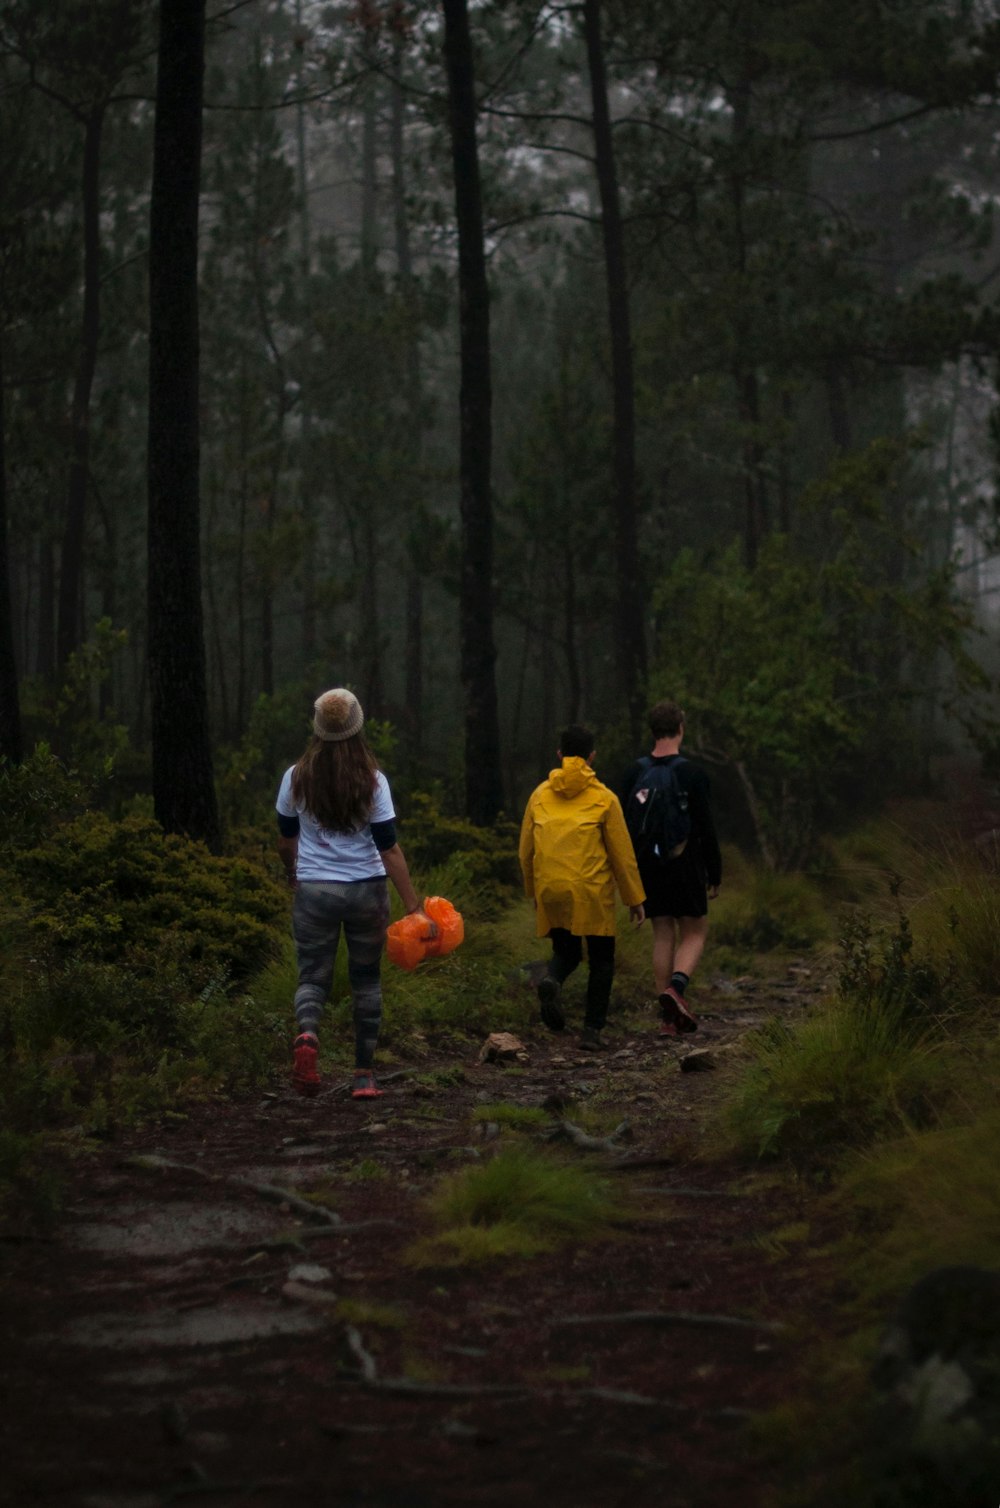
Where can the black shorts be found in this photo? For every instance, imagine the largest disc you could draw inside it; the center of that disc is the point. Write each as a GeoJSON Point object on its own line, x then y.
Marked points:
{"type": "Point", "coordinates": [675, 887]}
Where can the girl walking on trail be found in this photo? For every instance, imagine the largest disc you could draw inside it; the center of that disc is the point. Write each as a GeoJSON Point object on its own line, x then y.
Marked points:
{"type": "Point", "coordinates": [337, 842]}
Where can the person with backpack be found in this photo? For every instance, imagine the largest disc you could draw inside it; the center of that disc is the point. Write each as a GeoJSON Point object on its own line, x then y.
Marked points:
{"type": "Point", "coordinates": [574, 850]}
{"type": "Point", "coordinates": [666, 803]}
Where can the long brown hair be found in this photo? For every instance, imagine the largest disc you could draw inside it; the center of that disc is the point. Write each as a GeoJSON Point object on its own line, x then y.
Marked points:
{"type": "Point", "coordinates": [335, 782]}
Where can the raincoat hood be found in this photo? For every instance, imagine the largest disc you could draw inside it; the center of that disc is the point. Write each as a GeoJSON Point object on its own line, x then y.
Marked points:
{"type": "Point", "coordinates": [575, 776]}
{"type": "Point", "coordinates": [574, 850]}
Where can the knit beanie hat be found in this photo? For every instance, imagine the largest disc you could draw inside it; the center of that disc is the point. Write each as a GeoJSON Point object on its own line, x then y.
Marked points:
{"type": "Point", "coordinates": [338, 715]}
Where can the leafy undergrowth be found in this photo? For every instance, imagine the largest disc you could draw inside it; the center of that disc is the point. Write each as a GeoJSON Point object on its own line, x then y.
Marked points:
{"type": "Point", "coordinates": [885, 1095]}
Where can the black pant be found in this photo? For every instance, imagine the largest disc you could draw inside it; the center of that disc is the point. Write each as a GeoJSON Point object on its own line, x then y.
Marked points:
{"type": "Point", "coordinates": [567, 951]}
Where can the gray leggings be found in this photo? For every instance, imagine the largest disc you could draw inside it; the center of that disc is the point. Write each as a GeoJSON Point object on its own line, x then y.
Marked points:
{"type": "Point", "coordinates": [321, 908]}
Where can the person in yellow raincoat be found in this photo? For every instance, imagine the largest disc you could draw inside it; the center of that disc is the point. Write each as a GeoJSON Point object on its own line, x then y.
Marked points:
{"type": "Point", "coordinates": [574, 849]}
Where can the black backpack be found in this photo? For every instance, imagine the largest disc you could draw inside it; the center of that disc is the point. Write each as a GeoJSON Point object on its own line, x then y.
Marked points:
{"type": "Point", "coordinates": [656, 811]}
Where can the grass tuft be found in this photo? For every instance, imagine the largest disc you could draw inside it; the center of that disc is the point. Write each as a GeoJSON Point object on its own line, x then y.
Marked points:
{"type": "Point", "coordinates": [520, 1203]}
{"type": "Point", "coordinates": [842, 1078]}
{"type": "Point", "coordinates": [517, 1117]}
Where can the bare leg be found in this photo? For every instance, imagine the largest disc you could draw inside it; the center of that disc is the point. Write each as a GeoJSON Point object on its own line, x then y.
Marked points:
{"type": "Point", "coordinates": [690, 945]}
{"type": "Point", "coordinates": [663, 951]}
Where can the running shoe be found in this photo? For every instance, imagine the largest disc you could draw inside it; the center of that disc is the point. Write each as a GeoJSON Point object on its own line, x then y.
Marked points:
{"type": "Point", "coordinates": [365, 1087]}
{"type": "Point", "coordinates": [548, 1004]}
{"type": "Point", "coordinates": [674, 1012]}
{"type": "Point", "coordinates": [590, 1039]}
{"type": "Point", "coordinates": [305, 1074]}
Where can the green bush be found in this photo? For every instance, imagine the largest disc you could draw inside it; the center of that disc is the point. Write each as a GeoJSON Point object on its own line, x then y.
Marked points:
{"type": "Point", "coordinates": [958, 923]}
{"type": "Point", "coordinates": [126, 892]}
{"type": "Point", "coordinates": [34, 796]}
{"type": "Point", "coordinates": [769, 911]}
{"type": "Point", "coordinates": [479, 865]}
{"type": "Point", "coordinates": [837, 1081]}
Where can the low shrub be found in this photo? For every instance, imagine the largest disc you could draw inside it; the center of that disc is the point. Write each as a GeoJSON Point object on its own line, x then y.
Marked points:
{"type": "Point", "coordinates": [958, 924]}
{"type": "Point", "coordinates": [34, 796]}
{"type": "Point", "coordinates": [126, 892]}
{"type": "Point", "coordinates": [476, 867]}
{"type": "Point", "coordinates": [770, 911]}
{"type": "Point", "coordinates": [837, 1081]}
{"type": "Point", "coordinates": [918, 1202]}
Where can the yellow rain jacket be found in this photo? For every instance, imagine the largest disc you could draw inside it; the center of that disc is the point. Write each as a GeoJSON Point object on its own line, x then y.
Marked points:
{"type": "Point", "coordinates": [574, 847]}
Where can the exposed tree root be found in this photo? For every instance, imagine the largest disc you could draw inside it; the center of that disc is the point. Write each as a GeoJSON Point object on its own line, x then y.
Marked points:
{"type": "Point", "coordinates": [666, 1318]}
{"type": "Point", "coordinates": [151, 1162]}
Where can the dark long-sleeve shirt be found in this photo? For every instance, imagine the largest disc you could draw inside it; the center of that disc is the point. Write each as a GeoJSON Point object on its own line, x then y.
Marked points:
{"type": "Point", "coordinates": [703, 845]}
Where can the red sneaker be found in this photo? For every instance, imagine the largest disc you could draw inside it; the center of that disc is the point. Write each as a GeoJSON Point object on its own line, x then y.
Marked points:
{"type": "Point", "coordinates": [305, 1074]}
{"type": "Point", "coordinates": [675, 1013]}
{"type": "Point", "coordinates": [365, 1087]}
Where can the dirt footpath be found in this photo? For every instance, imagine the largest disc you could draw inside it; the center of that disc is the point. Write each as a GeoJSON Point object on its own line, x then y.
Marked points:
{"type": "Point", "coordinates": [195, 1330]}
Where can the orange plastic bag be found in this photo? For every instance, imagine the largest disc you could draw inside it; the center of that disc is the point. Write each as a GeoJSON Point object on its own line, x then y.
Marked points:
{"type": "Point", "coordinates": [407, 942]}
{"type": "Point", "coordinates": [450, 926]}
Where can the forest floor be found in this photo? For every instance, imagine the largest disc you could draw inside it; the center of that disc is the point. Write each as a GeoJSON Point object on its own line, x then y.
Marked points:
{"type": "Point", "coordinates": [179, 1336]}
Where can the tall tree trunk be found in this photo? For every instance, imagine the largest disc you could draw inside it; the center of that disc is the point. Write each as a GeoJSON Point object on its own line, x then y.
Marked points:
{"type": "Point", "coordinates": [415, 562]}
{"type": "Point", "coordinates": [68, 633]}
{"type": "Point", "coordinates": [10, 707]}
{"type": "Point", "coordinates": [45, 646]}
{"type": "Point", "coordinates": [371, 618]}
{"type": "Point", "coordinates": [369, 157]}
{"type": "Point", "coordinates": [630, 639]}
{"type": "Point", "coordinates": [756, 510]}
{"type": "Point", "coordinates": [306, 502]}
{"type": "Point", "coordinates": [483, 779]}
{"type": "Point", "coordinates": [836, 397]}
{"type": "Point", "coordinates": [574, 684]}
{"type": "Point", "coordinates": [745, 380]}
{"type": "Point", "coordinates": [183, 785]}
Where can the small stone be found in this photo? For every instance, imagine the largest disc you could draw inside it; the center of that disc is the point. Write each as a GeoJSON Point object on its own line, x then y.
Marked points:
{"type": "Point", "coordinates": [502, 1047]}
{"type": "Point", "coordinates": [309, 1272]}
{"type": "Point", "coordinates": [376, 1127]}
{"type": "Point", "coordinates": [698, 1061]}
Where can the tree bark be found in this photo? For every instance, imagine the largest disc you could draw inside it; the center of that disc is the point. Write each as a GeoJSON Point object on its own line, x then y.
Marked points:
{"type": "Point", "coordinates": [70, 619]}
{"type": "Point", "coordinates": [483, 780]}
{"type": "Point", "coordinates": [11, 746]}
{"type": "Point", "coordinates": [306, 501]}
{"type": "Point", "coordinates": [414, 564]}
{"type": "Point", "coordinates": [183, 785]}
{"type": "Point", "coordinates": [755, 499]}
{"type": "Point", "coordinates": [630, 640]}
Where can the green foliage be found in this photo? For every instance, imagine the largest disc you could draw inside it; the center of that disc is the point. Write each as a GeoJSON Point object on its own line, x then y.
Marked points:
{"type": "Point", "coordinates": [518, 1204]}
{"type": "Point", "coordinates": [768, 911]}
{"type": "Point", "coordinates": [917, 1202]}
{"type": "Point", "coordinates": [34, 796]}
{"type": "Point", "coordinates": [837, 1081]}
{"type": "Point", "coordinates": [125, 891]}
{"type": "Point", "coordinates": [860, 1067]}
{"type": "Point", "coordinates": [65, 712]}
{"type": "Point", "coordinates": [790, 672]}
{"type": "Point", "coordinates": [476, 866]}
{"type": "Point", "coordinates": [517, 1117]}
{"type": "Point", "coordinates": [958, 922]}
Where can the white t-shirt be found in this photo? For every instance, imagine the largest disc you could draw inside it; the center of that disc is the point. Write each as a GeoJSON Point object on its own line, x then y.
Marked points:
{"type": "Point", "coordinates": [325, 855]}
